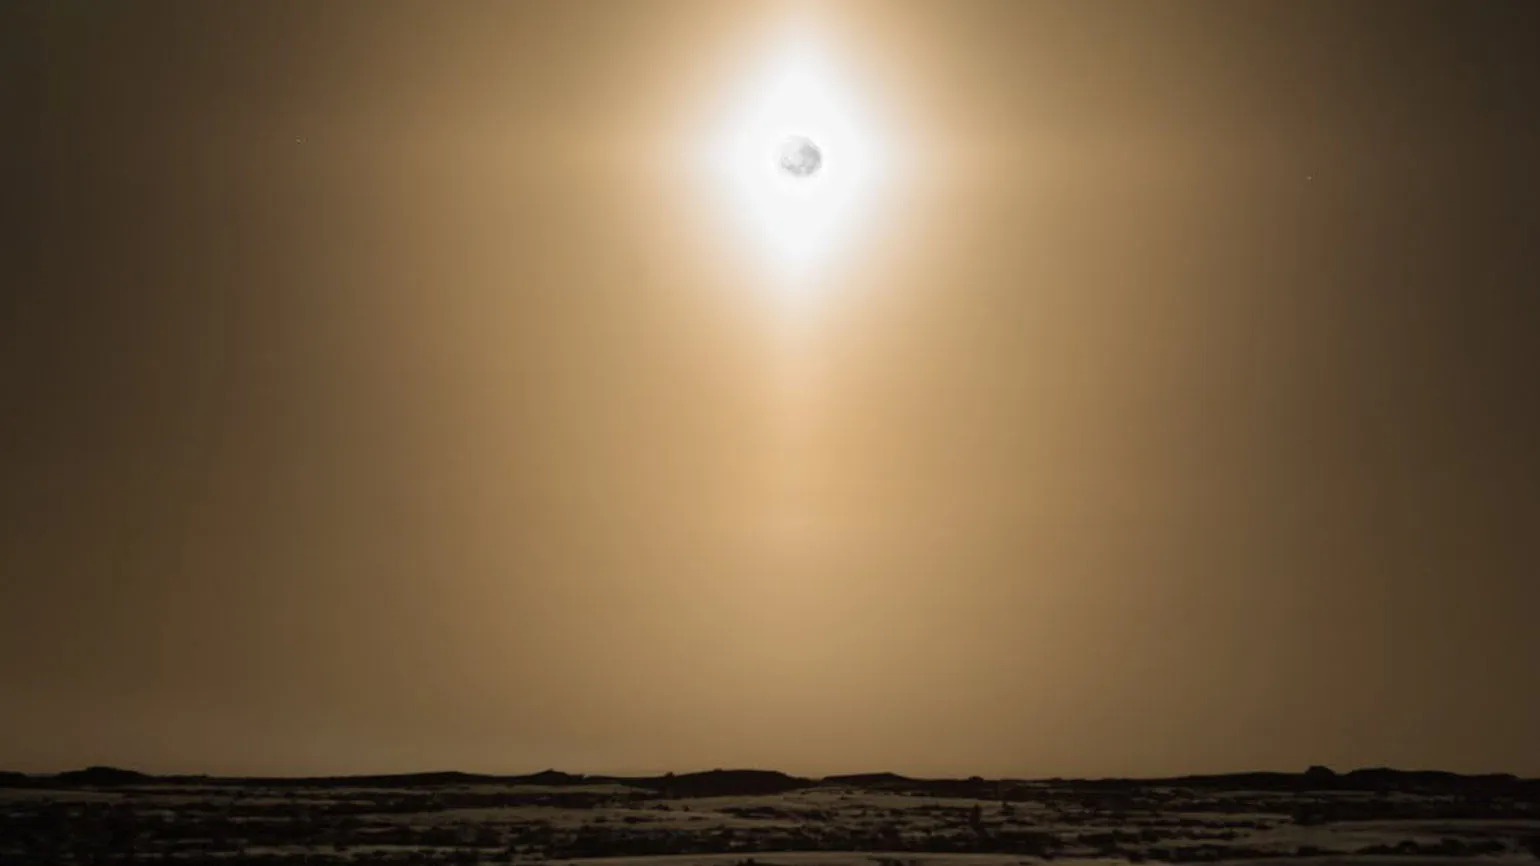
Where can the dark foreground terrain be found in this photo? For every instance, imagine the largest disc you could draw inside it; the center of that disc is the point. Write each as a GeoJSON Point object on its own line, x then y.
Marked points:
{"type": "Point", "coordinates": [758, 818]}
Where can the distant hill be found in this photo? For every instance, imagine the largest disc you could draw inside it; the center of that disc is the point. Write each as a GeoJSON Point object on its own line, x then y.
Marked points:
{"type": "Point", "coordinates": [723, 783]}
{"type": "Point", "coordinates": [749, 782]}
{"type": "Point", "coordinates": [863, 780]}
{"type": "Point", "coordinates": [103, 777]}
{"type": "Point", "coordinates": [434, 779]}
{"type": "Point", "coordinates": [553, 777]}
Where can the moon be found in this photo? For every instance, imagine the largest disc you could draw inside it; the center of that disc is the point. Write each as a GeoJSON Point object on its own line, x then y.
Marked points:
{"type": "Point", "coordinates": [797, 161]}
{"type": "Point", "coordinates": [800, 157]}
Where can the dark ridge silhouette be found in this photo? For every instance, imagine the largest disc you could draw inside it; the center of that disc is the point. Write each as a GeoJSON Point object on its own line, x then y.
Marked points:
{"type": "Point", "coordinates": [869, 779]}
{"type": "Point", "coordinates": [408, 780]}
{"type": "Point", "coordinates": [102, 776]}
{"type": "Point", "coordinates": [723, 783]}
{"type": "Point", "coordinates": [1319, 778]}
{"type": "Point", "coordinates": [744, 782]}
{"type": "Point", "coordinates": [396, 780]}
{"type": "Point", "coordinates": [434, 779]}
{"type": "Point", "coordinates": [557, 777]}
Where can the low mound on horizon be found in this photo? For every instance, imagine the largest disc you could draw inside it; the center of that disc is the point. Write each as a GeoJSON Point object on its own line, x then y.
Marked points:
{"type": "Point", "coordinates": [720, 782]}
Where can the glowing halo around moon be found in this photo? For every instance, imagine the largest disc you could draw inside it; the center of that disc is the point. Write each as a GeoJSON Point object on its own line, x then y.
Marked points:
{"type": "Point", "coordinates": [796, 164]}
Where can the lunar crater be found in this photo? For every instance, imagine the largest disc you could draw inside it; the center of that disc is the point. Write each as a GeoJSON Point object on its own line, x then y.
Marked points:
{"type": "Point", "coordinates": [800, 157]}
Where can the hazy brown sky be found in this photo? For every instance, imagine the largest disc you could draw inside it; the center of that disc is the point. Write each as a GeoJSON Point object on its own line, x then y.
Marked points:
{"type": "Point", "coordinates": [381, 393]}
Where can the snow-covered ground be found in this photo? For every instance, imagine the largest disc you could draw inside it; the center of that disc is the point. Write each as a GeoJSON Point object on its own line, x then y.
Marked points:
{"type": "Point", "coordinates": [603, 824]}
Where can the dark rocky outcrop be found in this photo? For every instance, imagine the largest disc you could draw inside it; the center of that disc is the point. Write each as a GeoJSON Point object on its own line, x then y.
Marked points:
{"type": "Point", "coordinates": [102, 776]}
{"type": "Point", "coordinates": [723, 783]}
{"type": "Point", "coordinates": [868, 780]}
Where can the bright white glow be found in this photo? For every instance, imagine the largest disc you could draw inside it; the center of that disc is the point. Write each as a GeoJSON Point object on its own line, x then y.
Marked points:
{"type": "Point", "coordinates": [796, 222]}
